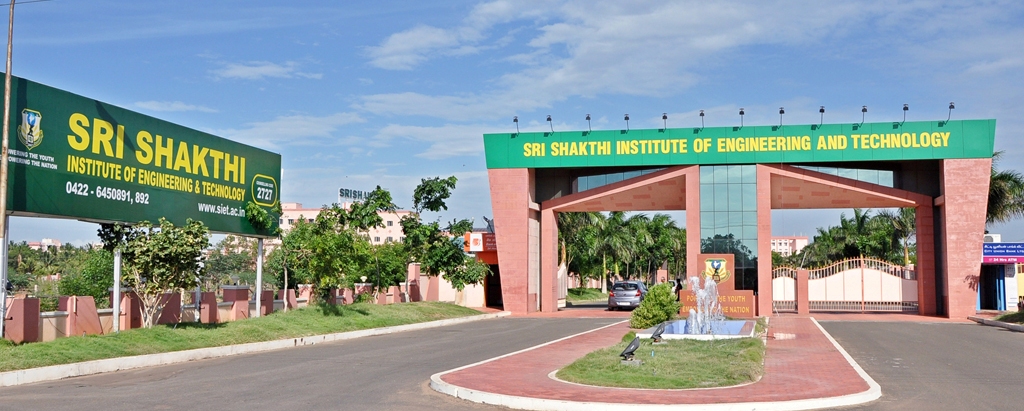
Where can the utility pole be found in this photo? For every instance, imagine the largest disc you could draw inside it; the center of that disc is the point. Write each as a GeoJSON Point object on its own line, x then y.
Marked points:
{"type": "Point", "coordinates": [3, 173]}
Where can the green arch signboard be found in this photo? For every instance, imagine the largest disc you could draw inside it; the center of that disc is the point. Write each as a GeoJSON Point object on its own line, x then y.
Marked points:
{"type": "Point", "coordinates": [75, 157]}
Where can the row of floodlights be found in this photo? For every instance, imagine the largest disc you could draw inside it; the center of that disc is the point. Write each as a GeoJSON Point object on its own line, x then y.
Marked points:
{"type": "Point", "coordinates": [782, 110]}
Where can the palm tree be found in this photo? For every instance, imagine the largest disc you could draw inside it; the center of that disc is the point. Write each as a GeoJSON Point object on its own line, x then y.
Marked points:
{"type": "Point", "coordinates": [904, 222]}
{"type": "Point", "coordinates": [1005, 194]}
{"type": "Point", "coordinates": [613, 241]}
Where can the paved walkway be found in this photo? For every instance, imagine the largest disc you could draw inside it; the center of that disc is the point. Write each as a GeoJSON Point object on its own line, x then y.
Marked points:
{"type": "Point", "coordinates": [801, 363]}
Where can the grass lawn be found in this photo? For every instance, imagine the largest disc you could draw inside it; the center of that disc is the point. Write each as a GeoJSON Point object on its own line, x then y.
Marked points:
{"type": "Point", "coordinates": [1016, 318]}
{"type": "Point", "coordinates": [585, 294]}
{"type": "Point", "coordinates": [674, 365]}
{"type": "Point", "coordinates": [165, 338]}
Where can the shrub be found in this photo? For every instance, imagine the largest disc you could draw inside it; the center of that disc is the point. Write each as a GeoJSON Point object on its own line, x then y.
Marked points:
{"type": "Point", "coordinates": [658, 306]}
{"type": "Point", "coordinates": [95, 279]}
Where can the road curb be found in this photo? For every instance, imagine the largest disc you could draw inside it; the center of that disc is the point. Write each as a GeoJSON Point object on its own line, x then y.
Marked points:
{"type": "Point", "coordinates": [57, 372]}
{"type": "Point", "coordinates": [994, 323]}
{"type": "Point", "coordinates": [873, 392]}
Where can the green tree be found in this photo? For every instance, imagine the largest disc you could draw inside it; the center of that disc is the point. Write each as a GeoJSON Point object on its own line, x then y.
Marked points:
{"type": "Point", "coordinates": [158, 260]}
{"type": "Point", "coordinates": [95, 279]}
{"type": "Point", "coordinates": [440, 253]}
{"type": "Point", "coordinates": [904, 225]}
{"type": "Point", "coordinates": [1005, 194]}
{"type": "Point", "coordinates": [234, 257]}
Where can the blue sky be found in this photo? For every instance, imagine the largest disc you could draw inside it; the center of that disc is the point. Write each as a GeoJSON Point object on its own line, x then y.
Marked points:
{"type": "Point", "coordinates": [356, 94]}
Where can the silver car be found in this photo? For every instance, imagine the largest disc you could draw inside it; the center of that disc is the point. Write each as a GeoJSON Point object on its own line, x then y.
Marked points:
{"type": "Point", "coordinates": [626, 294]}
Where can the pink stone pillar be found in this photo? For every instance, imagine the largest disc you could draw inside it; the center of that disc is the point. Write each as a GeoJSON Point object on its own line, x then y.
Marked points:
{"type": "Point", "coordinates": [239, 310]}
{"type": "Point", "coordinates": [208, 313]}
{"type": "Point", "coordinates": [926, 286]}
{"type": "Point", "coordinates": [171, 313]}
{"type": "Point", "coordinates": [266, 302]}
{"type": "Point", "coordinates": [235, 292]}
{"type": "Point", "coordinates": [692, 223]}
{"type": "Point", "coordinates": [511, 197]}
{"type": "Point", "coordinates": [67, 303]}
{"type": "Point", "coordinates": [803, 303]}
{"type": "Point", "coordinates": [964, 184]}
{"type": "Point", "coordinates": [764, 241]}
{"type": "Point", "coordinates": [548, 261]}
{"type": "Point", "coordinates": [288, 296]}
{"type": "Point", "coordinates": [412, 277]}
{"type": "Point", "coordinates": [22, 322]}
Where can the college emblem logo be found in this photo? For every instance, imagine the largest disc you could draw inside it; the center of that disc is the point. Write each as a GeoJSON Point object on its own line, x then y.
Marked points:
{"type": "Point", "coordinates": [30, 132]}
{"type": "Point", "coordinates": [715, 269]}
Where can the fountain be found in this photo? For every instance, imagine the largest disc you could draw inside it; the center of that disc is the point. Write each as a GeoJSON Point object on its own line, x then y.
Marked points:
{"type": "Point", "coordinates": [706, 322]}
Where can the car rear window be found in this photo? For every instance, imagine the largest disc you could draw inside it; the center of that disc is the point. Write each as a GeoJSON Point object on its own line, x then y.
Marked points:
{"type": "Point", "coordinates": [624, 287]}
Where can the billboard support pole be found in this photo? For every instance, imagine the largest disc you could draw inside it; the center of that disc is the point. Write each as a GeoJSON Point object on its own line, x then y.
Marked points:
{"type": "Point", "coordinates": [116, 304]}
{"type": "Point", "coordinates": [3, 170]}
{"type": "Point", "coordinates": [259, 276]}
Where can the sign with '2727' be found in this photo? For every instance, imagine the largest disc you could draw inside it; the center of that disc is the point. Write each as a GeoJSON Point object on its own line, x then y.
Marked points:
{"type": "Point", "coordinates": [74, 157]}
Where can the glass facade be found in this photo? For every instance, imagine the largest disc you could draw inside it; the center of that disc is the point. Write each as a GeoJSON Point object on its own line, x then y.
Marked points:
{"type": "Point", "coordinates": [584, 183]}
{"type": "Point", "coordinates": [728, 218]}
{"type": "Point", "coordinates": [880, 177]}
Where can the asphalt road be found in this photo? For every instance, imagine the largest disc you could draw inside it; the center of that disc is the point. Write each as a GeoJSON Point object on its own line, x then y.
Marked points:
{"type": "Point", "coordinates": [937, 366]}
{"type": "Point", "coordinates": [382, 373]}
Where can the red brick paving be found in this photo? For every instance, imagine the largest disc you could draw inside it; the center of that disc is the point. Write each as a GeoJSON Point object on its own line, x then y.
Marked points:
{"type": "Point", "coordinates": [805, 367]}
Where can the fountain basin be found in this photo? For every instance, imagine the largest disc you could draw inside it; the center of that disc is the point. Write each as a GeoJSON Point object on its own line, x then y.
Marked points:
{"type": "Point", "coordinates": [676, 330]}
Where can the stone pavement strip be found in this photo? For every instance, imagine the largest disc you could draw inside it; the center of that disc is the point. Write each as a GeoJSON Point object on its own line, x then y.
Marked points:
{"type": "Point", "coordinates": [804, 369]}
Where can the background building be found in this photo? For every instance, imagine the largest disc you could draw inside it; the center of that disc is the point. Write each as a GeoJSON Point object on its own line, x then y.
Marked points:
{"type": "Point", "coordinates": [292, 213]}
{"type": "Point", "coordinates": [787, 246]}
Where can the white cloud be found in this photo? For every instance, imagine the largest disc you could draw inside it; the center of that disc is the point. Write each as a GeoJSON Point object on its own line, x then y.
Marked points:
{"type": "Point", "coordinates": [295, 129]}
{"type": "Point", "coordinates": [171, 106]}
{"type": "Point", "coordinates": [258, 70]}
{"type": "Point", "coordinates": [444, 141]}
{"type": "Point", "coordinates": [405, 50]}
{"type": "Point", "coordinates": [659, 49]}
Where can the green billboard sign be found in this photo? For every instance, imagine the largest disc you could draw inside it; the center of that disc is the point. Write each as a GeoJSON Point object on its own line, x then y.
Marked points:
{"type": "Point", "coordinates": [918, 140]}
{"type": "Point", "coordinates": [74, 157]}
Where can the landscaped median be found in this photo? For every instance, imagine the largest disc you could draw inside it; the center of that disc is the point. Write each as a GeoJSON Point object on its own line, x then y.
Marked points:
{"type": "Point", "coordinates": [675, 364]}
{"type": "Point", "coordinates": [298, 323]}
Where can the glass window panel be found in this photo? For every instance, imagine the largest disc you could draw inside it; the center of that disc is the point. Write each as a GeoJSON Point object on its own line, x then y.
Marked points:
{"type": "Point", "coordinates": [752, 245]}
{"type": "Point", "coordinates": [749, 197]}
{"type": "Point", "coordinates": [613, 178]}
{"type": "Point", "coordinates": [721, 219]}
{"type": "Point", "coordinates": [721, 197]}
{"type": "Point", "coordinates": [750, 232]}
{"type": "Point", "coordinates": [707, 174]}
{"type": "Point", "coordinates": [630, 174]}
{"type": "Point", "coordinates": [707, 220]}
{"type": "Point", "coordinates": [750, 218]}
{"type": "Point", "coordinates": [721, 175]}
{"type": "Point", "coordinates": [749, 174]}
{"type": "Point", "coordinates": [707, 197]}
{"type": "Point", "coordinates": [868, 176]}
{"type": "Point", "coordinates": [735, 218]}
{"type": "Point", "coordinates": [734, 174]}
{"type": "Point", "coordinates": [735, 197]}
{"type": "Point", "coordinates": [848, 173]}
{"type": "Point", "coordinates": [885, 178]}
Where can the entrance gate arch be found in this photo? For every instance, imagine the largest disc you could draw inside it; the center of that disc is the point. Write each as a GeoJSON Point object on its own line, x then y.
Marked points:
{"type": "Point", "coordinates": [941, 168]}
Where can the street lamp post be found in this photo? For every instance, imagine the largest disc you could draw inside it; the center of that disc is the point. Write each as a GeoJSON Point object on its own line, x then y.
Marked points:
{"type": "Point", "coordinates": [3, 172]}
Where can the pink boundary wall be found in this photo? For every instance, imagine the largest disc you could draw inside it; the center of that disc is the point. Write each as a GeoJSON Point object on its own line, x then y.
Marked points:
{"type": "Point", "coordinates": [22, 322]}
{"type": "Point", "coordinates": [83, 319]}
